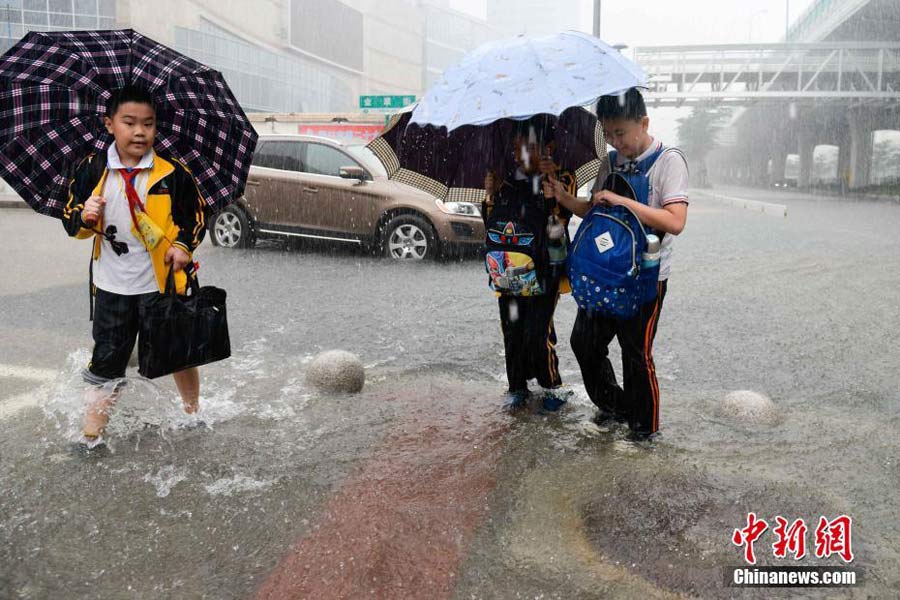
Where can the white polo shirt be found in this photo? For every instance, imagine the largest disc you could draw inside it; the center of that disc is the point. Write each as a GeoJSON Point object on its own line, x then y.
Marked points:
{"type": "Point", "coordinates": [668, 185]}
{"type": "Point", "coordinates": [129, 273]}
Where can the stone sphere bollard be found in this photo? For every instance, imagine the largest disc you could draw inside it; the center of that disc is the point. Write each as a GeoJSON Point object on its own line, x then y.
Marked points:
{"type": "Point", "coordinates": [749, 407]}
{"type": "Point", "coordinates": [336, 371]}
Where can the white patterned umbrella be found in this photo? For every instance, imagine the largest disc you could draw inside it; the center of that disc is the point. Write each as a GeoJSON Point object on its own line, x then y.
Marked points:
{"type": "Point", "coordinates": [521, 77]}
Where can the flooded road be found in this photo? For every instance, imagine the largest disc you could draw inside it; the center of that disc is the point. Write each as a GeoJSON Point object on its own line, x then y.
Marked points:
{"type": "Point", "coordinates": [420, 487]}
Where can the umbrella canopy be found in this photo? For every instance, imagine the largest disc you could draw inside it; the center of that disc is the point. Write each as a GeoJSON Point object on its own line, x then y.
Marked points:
{"type": "Point", "coordinates": [53, 93]}
{"type": "Point", "coordinates": [452, 165]}
{"type": "Point", "coordinates": [520, 77]}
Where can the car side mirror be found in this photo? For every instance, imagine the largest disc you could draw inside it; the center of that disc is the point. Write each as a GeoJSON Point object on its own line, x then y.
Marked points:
{"type": "Point", "coordinates": [357, 173]}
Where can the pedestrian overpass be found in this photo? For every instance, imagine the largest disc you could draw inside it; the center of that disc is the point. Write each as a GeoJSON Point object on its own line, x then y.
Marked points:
{"type": "Point", "coordinates": [746, 74]}
{"type": "Point", "coordinates": [835, 80]}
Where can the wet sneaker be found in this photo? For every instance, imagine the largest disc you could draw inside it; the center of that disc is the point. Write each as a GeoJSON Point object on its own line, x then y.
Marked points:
{"type": "Point", "coordinates": [607, 419]}
{"type": "Point", "coordinates": [555, 399]}
{"type": "Point", "coordinates": [89, 446]}
{"type": "Point", "coordinates": [193, 425]}
{"type": "Point", "coordinates": [642, 437]}
{"type": "Point", "coordinates": [92, 442]}
{"type": "Point", "coordinates": [515, 401]}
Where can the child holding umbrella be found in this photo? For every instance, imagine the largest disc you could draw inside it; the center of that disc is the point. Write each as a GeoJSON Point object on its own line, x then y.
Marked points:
{"type": "Point", "coordinates": [146, 217]}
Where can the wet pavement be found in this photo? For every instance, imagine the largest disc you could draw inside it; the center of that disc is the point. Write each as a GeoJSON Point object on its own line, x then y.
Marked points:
{"type": "Point", "coordinates": [420, 486]}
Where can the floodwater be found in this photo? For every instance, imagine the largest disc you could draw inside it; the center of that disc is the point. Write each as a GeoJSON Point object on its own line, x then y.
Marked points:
{"type": "Point", "coordinates": [420, 487]}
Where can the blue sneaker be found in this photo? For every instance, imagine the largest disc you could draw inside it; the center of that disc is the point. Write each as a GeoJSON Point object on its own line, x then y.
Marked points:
{"type": "Point", "coordinates": [515, 400]}
{"type": "Point", "coordinates": [555, 399]}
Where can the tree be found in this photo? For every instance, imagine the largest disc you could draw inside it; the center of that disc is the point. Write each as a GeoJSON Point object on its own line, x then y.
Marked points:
{"type": "Point", "coordinates": [885, 161]}
{"type": "Point", "coordinates": [697, 137]}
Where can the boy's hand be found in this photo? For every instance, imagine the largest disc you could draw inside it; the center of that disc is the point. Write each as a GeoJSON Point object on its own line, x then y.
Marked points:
{"type": "Point", "coordinates": [93, 210]}
{"type": "Point", "coordinates": [549, 185]}
{"type": "Point", "coordinates": [554, 188]}
{"type": "Point", "coordinates": [177, 257]}
{"type": "Point", "coordinates": [607, 198]}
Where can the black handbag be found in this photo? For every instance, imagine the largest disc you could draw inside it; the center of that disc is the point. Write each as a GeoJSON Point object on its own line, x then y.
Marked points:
{"type": "Point", "coordinates": [179, 332]}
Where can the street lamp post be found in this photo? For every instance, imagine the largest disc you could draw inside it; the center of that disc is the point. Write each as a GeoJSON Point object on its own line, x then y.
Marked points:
{"type": "Point", "coordinates": [596, 18]}
{"type": "Point", "coordinates": [787, 19]}
{"type": "Point", "coordinates": [8, 22]}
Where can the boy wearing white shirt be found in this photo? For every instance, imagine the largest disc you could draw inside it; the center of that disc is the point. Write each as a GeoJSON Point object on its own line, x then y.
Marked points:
{"type": "Point", "coordinates": [146, 217]}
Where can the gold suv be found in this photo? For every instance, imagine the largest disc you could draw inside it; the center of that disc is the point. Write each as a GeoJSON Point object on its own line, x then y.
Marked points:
{"type": "Point", "coordinates": [312, 187]}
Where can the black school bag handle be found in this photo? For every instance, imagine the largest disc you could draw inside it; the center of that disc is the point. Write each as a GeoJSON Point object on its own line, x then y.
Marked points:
{"type": "Point", "coordinates": [192, 282]}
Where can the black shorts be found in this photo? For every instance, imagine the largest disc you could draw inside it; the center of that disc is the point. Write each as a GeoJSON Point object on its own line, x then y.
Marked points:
{"type": "Point", "coordinates": [117, 321]}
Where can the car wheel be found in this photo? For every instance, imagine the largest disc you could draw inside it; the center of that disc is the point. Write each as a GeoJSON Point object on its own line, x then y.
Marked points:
{"type": "Point", "coordinates": [409, 237]}
{"type": "Point", "coordinates": [231, 229]}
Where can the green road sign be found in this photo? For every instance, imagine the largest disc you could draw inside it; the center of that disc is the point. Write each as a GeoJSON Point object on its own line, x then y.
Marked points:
{"type": "Point", "coordinates": [385, 102]}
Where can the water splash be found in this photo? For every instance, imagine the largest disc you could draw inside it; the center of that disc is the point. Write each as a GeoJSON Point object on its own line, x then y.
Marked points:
{"type": "Point", "coordinates": [236, 485]}
{"type": "Point", "coordinates": [165, 479]}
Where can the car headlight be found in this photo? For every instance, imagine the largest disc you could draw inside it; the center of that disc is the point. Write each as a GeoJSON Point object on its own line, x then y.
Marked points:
{"type": "Point", "coordinates": [465, 209]}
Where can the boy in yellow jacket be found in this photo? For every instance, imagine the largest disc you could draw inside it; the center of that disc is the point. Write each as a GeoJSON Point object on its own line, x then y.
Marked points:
{"type": "Point", "coordinates": [145, 216]}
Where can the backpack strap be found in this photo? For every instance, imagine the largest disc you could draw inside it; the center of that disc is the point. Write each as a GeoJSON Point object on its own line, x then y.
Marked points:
{"type": "Point", "coordinates": [645, 165]}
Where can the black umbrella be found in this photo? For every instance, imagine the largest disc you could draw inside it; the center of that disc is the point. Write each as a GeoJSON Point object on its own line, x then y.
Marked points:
{"type": "Point", "coordinates": [53, 93]}
{"type": "Point", "coordinates": [452, 166]}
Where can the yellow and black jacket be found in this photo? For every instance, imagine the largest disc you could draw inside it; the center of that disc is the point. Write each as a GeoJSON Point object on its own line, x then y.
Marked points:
{"type": "Point", "coordinates": [172, 202]}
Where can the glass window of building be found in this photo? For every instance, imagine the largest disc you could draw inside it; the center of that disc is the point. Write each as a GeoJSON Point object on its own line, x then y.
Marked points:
{"type": "Point", "coordinates": [35, 18]}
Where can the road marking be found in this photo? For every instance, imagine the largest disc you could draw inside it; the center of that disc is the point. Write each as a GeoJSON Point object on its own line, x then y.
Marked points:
{"type": "Point", "coordinates": [755, 205]}
{"type": "Point", "coordinates": [401, 525]}
{"type": "Point", "coordinates": [12, 405]}
{"type": "Point", "coordinates": [30, 373]}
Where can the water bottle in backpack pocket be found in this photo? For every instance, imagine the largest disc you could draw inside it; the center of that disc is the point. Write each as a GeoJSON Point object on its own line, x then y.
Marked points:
{"type": "Point", "coordinates": [515, 252]}
{"type": "Point", "coordinates": [607, 270]}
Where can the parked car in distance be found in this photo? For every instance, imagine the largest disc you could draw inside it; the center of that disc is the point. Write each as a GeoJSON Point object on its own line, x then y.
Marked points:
{"type": "Point", "coordinates": [312, 187]}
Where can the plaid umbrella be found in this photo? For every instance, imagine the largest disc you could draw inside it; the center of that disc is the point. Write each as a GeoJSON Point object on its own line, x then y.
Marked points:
{"type": "Point", "coordinates": [452, 165]}
{"type": "Point", "coordinates": [53, 93]}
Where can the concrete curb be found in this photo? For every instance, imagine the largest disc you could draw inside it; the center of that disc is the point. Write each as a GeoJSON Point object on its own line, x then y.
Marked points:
{"type": "Point", "coordinates": [769, 208]}
{"type": "Point", "coordinates": [12, 202]}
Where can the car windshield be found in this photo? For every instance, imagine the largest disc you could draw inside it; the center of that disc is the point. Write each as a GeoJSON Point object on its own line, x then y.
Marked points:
{"type": "Point", "coordinates": [368, 159]}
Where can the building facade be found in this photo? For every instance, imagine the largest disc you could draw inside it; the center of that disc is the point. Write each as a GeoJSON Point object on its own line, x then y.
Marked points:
{"type": "Point", "coordinates": [283, 55]}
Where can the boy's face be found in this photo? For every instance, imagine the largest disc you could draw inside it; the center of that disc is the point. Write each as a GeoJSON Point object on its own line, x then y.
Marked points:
{"type": "Point", "coordinates": [529, 153]}
{"type": "Point", "coordinates": [134, 127]}
{"type": "Point", "coordinates": [627, 136]}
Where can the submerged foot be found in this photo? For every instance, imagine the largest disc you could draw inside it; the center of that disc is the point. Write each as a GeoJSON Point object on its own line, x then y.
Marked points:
{"type": "Point", "coordinates": [555, 398]}
{"type": "Point", "coordinates": [604, 418]}
{"type": "Point", "coordinates": [515, 400]}
{"type": "Point", "coordinates": [89, 446]}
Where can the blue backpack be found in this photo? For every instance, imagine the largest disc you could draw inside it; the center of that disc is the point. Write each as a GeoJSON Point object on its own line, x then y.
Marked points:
{"type": "Point", "coordinates": [605, 268]}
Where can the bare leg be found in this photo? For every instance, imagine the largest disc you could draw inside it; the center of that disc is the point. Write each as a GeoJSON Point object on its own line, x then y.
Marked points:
{"type": "Point", "coordinates": [96, 417]}
{"type": "Point", "coordinates": [188, 384]}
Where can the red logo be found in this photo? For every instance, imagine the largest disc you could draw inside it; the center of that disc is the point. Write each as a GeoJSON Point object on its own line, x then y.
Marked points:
{"type": "Point", "coordinates": [748, 535]}
{"type": "Point", "coordinates": [790, 539]}
{"type": "Point", "coordinates": [832, 537]}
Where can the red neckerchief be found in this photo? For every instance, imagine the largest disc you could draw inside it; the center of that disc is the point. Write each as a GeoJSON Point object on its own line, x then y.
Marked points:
{"type": "Point", "coordinates": [134, 199]}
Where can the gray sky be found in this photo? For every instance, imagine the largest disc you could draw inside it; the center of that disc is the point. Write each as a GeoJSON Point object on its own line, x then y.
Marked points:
{"type": "Point", "coordinates": [663, 22]}
{"type": "Point", "coordinates": [659, 22]}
